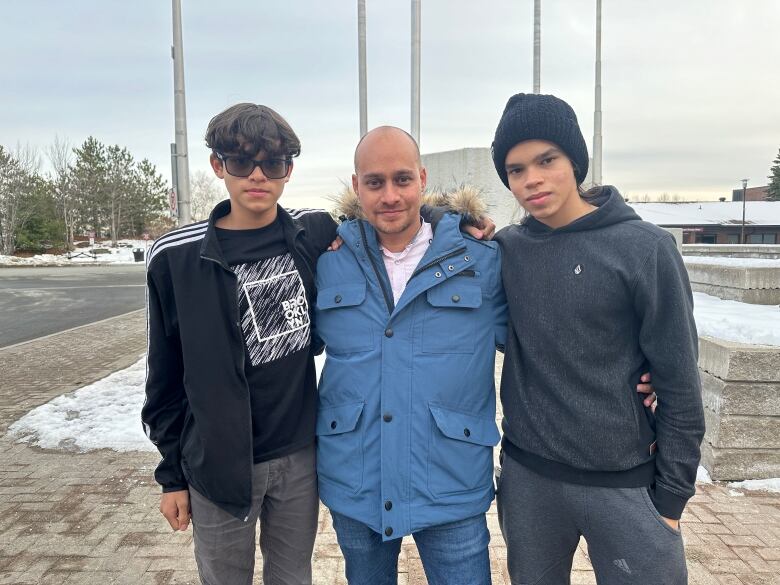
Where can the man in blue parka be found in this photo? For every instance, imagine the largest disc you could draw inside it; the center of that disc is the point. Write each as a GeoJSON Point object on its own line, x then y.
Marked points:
{"type": "Point", "coordinates": [410, 313]}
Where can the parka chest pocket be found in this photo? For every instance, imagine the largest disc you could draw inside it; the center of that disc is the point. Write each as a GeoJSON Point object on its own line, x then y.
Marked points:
{"type": "Point", "coordinates": [450, 324]}
{"type": "Point", "coordinates": [338, 319]}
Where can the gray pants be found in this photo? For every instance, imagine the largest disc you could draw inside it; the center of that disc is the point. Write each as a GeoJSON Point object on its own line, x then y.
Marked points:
{"type": "Point", "coordinates": [542, 520]}
{"type": "Point", "coordinates": [285, 499]}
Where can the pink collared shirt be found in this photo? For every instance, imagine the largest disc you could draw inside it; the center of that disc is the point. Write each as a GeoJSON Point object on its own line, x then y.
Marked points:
{"type": "Point", "coordinates": [401, 265]}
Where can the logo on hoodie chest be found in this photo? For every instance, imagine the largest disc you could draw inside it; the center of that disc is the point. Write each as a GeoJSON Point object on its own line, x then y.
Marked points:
{"type": "Point", "coordinates": [578, 269]}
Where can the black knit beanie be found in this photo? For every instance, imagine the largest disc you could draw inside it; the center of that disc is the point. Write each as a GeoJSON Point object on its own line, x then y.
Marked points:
{"type": "Point", "coordinates": [529, 116]}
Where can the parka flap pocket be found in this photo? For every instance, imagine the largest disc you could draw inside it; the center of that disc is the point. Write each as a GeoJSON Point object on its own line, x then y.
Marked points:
{"type": "Point", "coordinates": [345, 295]}
{"type": "Point", "coordinates": [335, 420]}
{"type": "Point", "coordinates": [455, 295]}
{"type": "Point", "coordinates": [465, 427]}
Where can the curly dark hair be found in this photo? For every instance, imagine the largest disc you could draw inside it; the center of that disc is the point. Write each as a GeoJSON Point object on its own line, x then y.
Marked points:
{"type": "Point", "coordinates": [250, 129]}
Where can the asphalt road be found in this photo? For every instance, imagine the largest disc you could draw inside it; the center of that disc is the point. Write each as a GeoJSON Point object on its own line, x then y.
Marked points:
{"type": "Point", "coordinates": [41, 301]}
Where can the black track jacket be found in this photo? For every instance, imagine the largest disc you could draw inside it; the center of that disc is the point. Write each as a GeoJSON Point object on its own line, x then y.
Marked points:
{"type": "Point", "coordinates": [197, 409]}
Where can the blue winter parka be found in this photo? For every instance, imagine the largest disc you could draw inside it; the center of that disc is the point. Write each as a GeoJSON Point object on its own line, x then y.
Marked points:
{"type": "Point", "coordinates": [407, 411]}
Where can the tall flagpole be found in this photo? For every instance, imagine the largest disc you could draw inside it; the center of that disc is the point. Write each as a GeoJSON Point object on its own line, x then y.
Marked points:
{"type": "Point", "coordinates": [180, 116]}
{"type": "Point", "coordinates": [537, 45]}
{"type": "Point", "coordinates": [597, 146]}
{"type": "Point", "coordinates": [416, 13]}
{"type": "Point", "coordinates": [362, 67]}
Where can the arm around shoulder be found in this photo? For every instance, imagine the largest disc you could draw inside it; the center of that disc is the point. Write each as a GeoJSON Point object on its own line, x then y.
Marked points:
{"type": "Point", "coordinates": [668, 338]}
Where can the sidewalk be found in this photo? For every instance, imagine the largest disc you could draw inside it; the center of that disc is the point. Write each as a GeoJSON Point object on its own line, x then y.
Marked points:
{"type": "Point", "coordinates": [91, 518]}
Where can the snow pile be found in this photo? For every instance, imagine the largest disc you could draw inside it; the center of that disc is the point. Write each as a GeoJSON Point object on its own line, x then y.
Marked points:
{"type": "Point", "coordinates": [122, 254]}
{"type": "Point", "coordinates": [702, 475]}
{"type": "Point", "coordinates": [734, 262]}
{"type": "Point", "coordinates": [735, 321]}
{"type": "Point", "coordinates": [40, 259]}
{"type": "Point", "coordinates": [766, 485]}
{"type": "Point", "coordinates": [104, 415]}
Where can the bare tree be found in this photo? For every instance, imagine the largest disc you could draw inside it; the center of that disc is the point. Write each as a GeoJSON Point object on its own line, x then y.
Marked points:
{"type": "Point", "coordinates": [205, 193]}
{"type": "Point", "coordinates": [119, 181]}
{"type": "Point", "coordinates": [60, 156]}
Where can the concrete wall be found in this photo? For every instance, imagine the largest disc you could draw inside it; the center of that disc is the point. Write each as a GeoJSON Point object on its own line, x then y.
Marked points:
{"type": "Point", "coordinates": [759, 285]}
{"type": "Point", "coordinates": [473, 166]}
{"type": "Point", "coordinates": [677, 234]}
{"type": "Point", "coordinates": [767, 251]}
{"type": "Point", "coordinates": [741, 395]}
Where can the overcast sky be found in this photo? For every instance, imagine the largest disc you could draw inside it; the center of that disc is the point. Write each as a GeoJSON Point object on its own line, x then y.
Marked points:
{"type": "Point", "coordinates": [691, 90]}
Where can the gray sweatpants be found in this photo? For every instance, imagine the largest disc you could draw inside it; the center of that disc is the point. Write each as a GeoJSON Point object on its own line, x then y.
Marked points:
{"type": "Point", "coordinates": [542, 520]}
{"type": "Point", "coordinates": [285, 499]}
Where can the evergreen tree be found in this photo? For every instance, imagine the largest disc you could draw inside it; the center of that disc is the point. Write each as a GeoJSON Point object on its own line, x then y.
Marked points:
{"type": "Point", "coordinates": [774, 180]}
{"type": "Point", "coordinates": [44, 229]}
{"type": "Point", "coordinates": [19, 185]}
{"type": "Point", "coordinates": [148, 198]}
{"type": "Point", "coordinates": [120, 186]}
{"type": "Point", "coordinates": [88, 182]}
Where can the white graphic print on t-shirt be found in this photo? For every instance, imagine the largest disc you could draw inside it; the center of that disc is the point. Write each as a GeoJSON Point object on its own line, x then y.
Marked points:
{"type": "Point", "coordinates": [274, 308]}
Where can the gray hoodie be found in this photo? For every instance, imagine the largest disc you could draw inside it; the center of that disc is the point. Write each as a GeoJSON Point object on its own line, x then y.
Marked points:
{"type": "Point", "coordinates": [592, 306]}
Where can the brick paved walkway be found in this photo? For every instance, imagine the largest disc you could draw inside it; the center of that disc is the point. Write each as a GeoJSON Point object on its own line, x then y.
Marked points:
{"type": "Point", "coordinates": [84, 518]}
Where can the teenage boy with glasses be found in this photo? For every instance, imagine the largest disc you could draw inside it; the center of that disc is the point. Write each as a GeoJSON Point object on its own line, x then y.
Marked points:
{"type": "Point", "coordinates": [231, 392]}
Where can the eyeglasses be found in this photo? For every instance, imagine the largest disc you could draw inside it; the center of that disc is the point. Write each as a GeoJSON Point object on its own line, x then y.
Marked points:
{"type": "Point", "coordinates": [243, 166]}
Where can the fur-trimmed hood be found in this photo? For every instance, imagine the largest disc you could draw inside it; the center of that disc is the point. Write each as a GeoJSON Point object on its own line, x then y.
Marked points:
{"type": "Point", "coordinates": [465, 200]}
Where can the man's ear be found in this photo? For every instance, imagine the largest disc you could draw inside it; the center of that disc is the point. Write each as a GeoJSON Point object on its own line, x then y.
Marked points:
{"type": "Point", "coordinates": [423, 178]}
{"type": "Point", "coordinates": [216, 166]}
{"type": "Point", "coordinates": [289, 172]}
{"type": "Point", "coordinates": [355, 184]}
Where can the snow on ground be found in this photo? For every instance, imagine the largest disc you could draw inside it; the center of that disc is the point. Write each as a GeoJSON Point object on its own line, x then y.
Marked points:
{"type": "Point", "coordinates": [735, 321]}
{"type": "Point", "coordinates": [122, 254]}
{"type": "Point", "coordinates": [766, 485]}
{"type": "Point", "coordinates": [103, 415]}
{"type": "Point", "coordinates": [734, 262]}
{"type": "Point", "coordinates": [702, 475]}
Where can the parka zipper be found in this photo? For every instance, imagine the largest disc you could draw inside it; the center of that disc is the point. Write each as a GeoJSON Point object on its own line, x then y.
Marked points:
{"type": "Point", "coordinates": [388, 297]}
{"type": "Point", "coordinates": [435, 261]}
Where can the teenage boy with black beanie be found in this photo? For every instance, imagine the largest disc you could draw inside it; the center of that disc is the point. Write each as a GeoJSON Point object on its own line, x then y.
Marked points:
{"type": "Point", "coordinates": [596, 297]}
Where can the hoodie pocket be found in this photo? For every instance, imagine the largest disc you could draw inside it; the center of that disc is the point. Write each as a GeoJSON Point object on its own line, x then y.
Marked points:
{"type": "Point", "coordinates": [340, 446]}
{"type": "Point", "coordinates": [460, 452]}
{"type": "Point", "coordinates": [337, 310]}
{"type": "Point", "coordinates": [450, 324]}
{"type": "Point", "coordinates": [644, 420]}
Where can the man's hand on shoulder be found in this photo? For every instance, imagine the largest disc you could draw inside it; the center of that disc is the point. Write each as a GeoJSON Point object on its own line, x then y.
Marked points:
{"type": "Point", "coordinates": [175, 506]}
{"type": "Point", "coordinates": [485, 228]}
{"type": "Point", "coordinates": [335, 244]}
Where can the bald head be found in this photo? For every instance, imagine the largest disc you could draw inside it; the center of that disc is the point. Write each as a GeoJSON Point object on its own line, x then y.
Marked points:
{"type": "Point", "coordinates": [386, 135]}
{"type": "Point", "coordinates": [389, 181]}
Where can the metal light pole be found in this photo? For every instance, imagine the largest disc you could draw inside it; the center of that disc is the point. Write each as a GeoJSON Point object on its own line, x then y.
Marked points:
{"type": "Point", "coordinates": [183, 174]}
{"type": "Point", "coordinates": [597, 110]}
{"type": "Point", "coordinates": [537, 45]}
{"type": "Point", "coordinates": [416, 13]}
{"type": "Point", "coordinates": [362, 67]}
{"type": "Point", "coordinates": [744, 194]}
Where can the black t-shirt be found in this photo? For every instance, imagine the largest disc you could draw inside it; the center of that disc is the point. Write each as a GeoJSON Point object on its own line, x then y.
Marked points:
{"type": "Point", "coordinates": [275, 322]}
